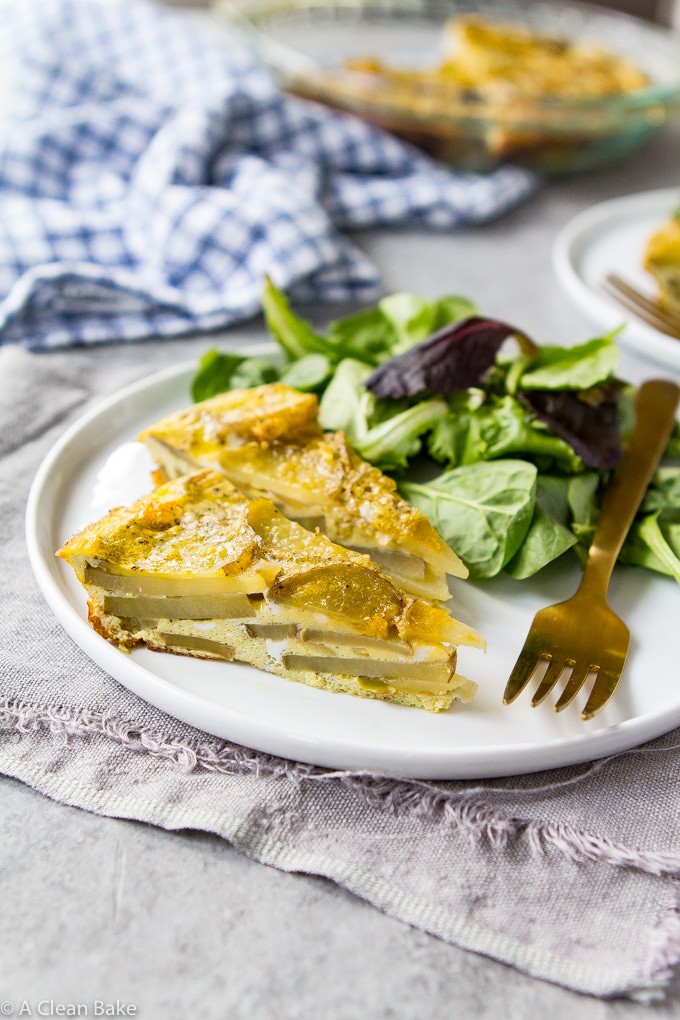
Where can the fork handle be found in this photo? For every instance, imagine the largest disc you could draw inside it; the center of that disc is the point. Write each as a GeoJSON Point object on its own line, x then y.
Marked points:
{"type": "Point", "coordinates": [655, 409]}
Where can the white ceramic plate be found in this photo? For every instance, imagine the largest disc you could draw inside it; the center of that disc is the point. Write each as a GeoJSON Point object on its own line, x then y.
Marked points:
{"type": "Point", "coordinates": [263, 711]}
{"type": "Point", "coordinates": [611, 237]}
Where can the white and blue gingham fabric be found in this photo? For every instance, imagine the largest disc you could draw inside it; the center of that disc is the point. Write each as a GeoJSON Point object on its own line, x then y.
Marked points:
{"type": "Point", "coordinates": [151, 174]}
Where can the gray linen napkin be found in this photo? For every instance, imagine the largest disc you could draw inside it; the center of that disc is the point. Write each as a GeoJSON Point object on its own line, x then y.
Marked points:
{"type": "Point", "coordinates": [571, 875]}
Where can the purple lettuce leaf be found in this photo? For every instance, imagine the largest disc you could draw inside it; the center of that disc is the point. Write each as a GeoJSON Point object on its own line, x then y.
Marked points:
{"type": "Point", "coordinates": [453, 358]}
{"type": "Point", "coordinates": [590, 427]}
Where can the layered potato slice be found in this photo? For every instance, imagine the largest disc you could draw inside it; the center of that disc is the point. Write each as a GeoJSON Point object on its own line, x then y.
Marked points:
{"type": "Point", "coordinates": [662, 259]}
{"type": "Point", "coordinates": [267, 442]}
{"type": "Point", "coordinates": [198, 568]}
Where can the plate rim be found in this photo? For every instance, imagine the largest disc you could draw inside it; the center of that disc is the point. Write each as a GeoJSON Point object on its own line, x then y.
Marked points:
{"type": "Point", "coordinates": [477, 762]}
{"type": "Point", "coordinates": [599, 308]}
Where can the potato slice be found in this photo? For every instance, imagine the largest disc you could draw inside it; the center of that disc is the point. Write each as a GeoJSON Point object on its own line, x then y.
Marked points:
{"type": "Point", "coordinates": [159, 585]}
{"type": "Point", "coordinates": [199, 644]}
{"type": "Point", "coordinates": [418, 675]}
{"type": "Point", "coordinates": [350, 591]}
{"type": "Point", "coordinates": [347, 639]}
{"type": "Point", "coordinates": [271, 631]}
{"type": "Point", "coordinates": [181, 607]}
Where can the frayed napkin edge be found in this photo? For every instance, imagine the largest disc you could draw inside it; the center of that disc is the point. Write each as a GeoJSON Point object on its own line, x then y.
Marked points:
{"type": "Point", "coordinates": [463, 810]}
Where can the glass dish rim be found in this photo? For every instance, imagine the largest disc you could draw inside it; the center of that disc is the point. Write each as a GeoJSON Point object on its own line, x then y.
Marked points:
{"type": "Point", "coordinates": [249, 17]}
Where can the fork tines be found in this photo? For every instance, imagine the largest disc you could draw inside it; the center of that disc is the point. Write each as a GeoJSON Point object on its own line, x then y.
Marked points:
{"type": "Point", "coordinates": [646, 308]}
{"type": "Point", "coordinates": [529, 665]}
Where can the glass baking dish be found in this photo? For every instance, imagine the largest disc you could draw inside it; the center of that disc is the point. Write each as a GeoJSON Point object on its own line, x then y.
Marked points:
{"type": "Point", "coordinates": [307, 44]}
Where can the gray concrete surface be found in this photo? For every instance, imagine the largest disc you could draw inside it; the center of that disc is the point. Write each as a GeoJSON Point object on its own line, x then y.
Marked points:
{"type": "Point", "coordinates": [180, 925]}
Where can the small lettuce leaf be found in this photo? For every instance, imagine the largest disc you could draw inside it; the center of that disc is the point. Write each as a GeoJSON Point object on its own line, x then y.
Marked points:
{"type": "Point", "coordinates": [340, 402]}
{"type": "Point", "coordinates": [218, 372]}
{"type": "Point", "coordinates": [451, 308]}
{"type": "Point", "coordinates": [384, 433]}
{"type": "Point", "coordinates": [664, 490]}
{"type": "Point", "coordinates": [482, 510]}
{"type": "Point", "coordinates": [397, 323]}
{"type": "Point", "coordinates": [654, 542]}
{"type": "Point", "coordinates": [582, 492]}
{"type": "Point", "coordinates": [295, 336]}
{"type": "Point", "coordinates": [410, 317]}
{"type": "Point", "coordinates": [367, 336]}
{"type": "Point", "coordinates": [572, 368]}
{"type": "Point", "coordinates": [483, 427]}
{"type": "Point", "coordinates": [308, 373]}
{"type": "Point", "coordinates": [413, 319]}
{"type": "Point", "coordinates": [394, 441]}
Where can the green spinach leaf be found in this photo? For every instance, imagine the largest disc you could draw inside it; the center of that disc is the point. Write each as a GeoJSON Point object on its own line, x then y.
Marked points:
{"type": "Point", "coordinates": [482, 510]}
{"type": "Point", "coordinates": [545, 540]}
{"type": "Point", "coordinates": [367, 336]}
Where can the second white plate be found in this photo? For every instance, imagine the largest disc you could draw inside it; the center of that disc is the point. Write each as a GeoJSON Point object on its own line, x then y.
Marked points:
{"type": "Point", "coordinates": [611, 237]}
{"type": "Point", "coordinates": [250, 707]}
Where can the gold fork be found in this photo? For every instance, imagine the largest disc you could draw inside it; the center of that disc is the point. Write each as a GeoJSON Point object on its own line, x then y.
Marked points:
{"type": "Point", "coordinates": [583, 635]}
{"type": "Point", "coordinates": [644, 307]}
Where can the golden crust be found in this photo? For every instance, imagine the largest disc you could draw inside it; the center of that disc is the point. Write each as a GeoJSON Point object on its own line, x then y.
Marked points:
{"type": "Point", "coordinates": [190, 526]}
{"type": "Point", "coordinates": [201, 525]}
{"type": "Point", "coordinates": [264, 413]}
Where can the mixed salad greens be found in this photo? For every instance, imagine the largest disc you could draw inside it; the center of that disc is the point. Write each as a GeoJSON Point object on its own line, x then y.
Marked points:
{"type": "Point", "coordinates": [506, 451]}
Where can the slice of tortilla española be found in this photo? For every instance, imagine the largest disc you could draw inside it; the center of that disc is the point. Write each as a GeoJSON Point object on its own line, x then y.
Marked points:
{"type": "Point", "coordinates": [197, 568]}
{"type": "Point", "coordinates": [267, 441]}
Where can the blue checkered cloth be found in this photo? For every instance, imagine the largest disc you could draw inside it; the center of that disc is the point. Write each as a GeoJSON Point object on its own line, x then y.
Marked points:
{"type": "Point", "coordinates": [151, 174]}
